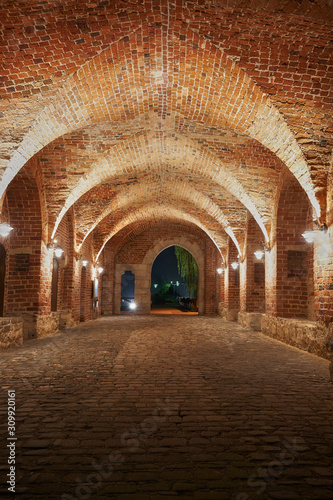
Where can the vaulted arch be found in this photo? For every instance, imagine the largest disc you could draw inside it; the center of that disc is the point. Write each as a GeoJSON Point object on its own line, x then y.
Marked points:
{"type": "Point", "coordinates": [151, 190]}
{"type": "Point", "coordinates": [199, 162]}
{"type": "Point", "coordinates": [164, 85]}
{"type": "Point", "coordinates": [150, 211]}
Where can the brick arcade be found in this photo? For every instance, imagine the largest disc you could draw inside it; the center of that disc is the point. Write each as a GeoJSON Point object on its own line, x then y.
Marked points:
{"type": "Point", "coordinates": [127, 127]}
{"type": "Point", "coordinates": [125, 130]}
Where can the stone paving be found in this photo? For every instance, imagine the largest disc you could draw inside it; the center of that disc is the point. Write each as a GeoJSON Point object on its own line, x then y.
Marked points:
{"type": "Point", "coordinates": [156, 407]}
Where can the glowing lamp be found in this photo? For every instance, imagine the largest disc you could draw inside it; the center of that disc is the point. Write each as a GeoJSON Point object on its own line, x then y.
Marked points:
{"type": "Point", "coordinates": [132, 306]}
{"type": "Point", "coordinates": [235, 265]}
{"type": "Point", "coordinates": [100, 270]}
{"type": "Point", "coordinates": [58, 252]}
{"type": "Point", "coordinates": [309, 236]}
{"type": "Point", "coordinates": [259, 254]}
{"type": "Point", "coordinates": [84, 263]}
{"type": "Point", "coordinates": [5, 229]}
{"type": "Point", "coordinates": [219, 270]}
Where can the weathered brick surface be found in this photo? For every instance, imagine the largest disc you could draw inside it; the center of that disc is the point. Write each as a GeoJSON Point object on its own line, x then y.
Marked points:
{"type": "Point", "coordinates": [294, 264]}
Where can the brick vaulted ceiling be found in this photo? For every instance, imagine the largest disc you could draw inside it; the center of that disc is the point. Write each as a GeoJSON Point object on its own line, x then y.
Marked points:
{"type": "Point", "coordinates": [157, 110]}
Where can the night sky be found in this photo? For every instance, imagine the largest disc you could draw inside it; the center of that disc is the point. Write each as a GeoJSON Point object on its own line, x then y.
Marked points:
{"type": "Point", "coordinates": [165, 269]}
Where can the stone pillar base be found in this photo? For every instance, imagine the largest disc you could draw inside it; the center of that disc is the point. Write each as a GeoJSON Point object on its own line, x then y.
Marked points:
{"type": "Point", "coordinates": [250, 320]}
{"type": "Point", "coordinates": [11, 332]}
{"type": "Point", "coordinates": [66, 320]}
{"type": "Point", "coordinates": [307, 335]}
{"type": "Point", "coordinates": [228, 314]}
{"type": "Point", "coordinates": [46, 324]}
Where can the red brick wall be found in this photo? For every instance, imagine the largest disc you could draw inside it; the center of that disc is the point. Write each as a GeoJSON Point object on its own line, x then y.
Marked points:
{"type": "Point", "coordinates": [323, 264]}
{"type": "Point", "coordinates": [83, 282]}
{"type": "Point", "coordinates": [292, 221]}
{"type": "Point", "coordinates": [25, 252]}
{"type": "Point", "coordinates": [135, 249]}
{"type": "Point", "coordinates": [252, 274]}
{"type": "Point", "coordinates": [231, 280]}
{"type": "Point", "coordinates": [211, 259]}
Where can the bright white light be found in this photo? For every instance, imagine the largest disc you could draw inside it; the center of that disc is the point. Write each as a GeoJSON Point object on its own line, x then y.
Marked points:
{"type": "Point", "coordinates": [58, 252]}
{"type": "Point", "coordinates": [132, 306]}
{"type": "Point", "coordinates": [309, 236]}
{"type": "Point", "coordinates": [84, 263]}
{"type": "Point", "coordinates": [5, 229]}
{"type": "Point", "coordinates": [219, 270]}
{"type": "Point", "coordinates": [100, 270]}
{"type": "Point", "coordinates": [259, 254]}
{"type": "Point", "coordinates": [177, 283]}
{"type": "Point", "coordinates": [155, 285]}
{"type": "Point", "coordinates": [235, 265]}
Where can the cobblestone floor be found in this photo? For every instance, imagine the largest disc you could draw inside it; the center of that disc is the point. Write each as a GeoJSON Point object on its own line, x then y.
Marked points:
{"type": "Point", "coordinates": [161, 407]}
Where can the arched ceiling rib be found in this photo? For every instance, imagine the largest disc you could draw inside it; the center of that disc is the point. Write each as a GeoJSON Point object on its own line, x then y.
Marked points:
{"type": "Point", "coordinates": [147, 211]}
{"type": "Point", "coordinates": [155, 190]}
{"type": "Point", "coordinates": [198, 163]}
{"type": "Point", "coordinates": [220, 94]}
{"type": "Point", "coordinates": [66, 161]}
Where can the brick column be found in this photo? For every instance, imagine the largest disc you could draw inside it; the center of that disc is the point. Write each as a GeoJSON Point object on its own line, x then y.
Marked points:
{"type": "Point", "coordinates": [231, 283]}
{"type": "Point", "coordinates": [323, 264]}
{"type": "Point", "coordinates": [252, 271]}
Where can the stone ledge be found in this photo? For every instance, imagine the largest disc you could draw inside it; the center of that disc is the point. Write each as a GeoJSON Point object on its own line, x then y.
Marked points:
{"type": "Point", "coordinates": [310, 336]}
{"type": "Point", "coordinates": [11, 332]}
{"type": "Point", "coordinates": [47, 324]}
{"type": "Point", "coordinates": [250, 320]}
{"type": "Point", "coordinates": [228, 314]}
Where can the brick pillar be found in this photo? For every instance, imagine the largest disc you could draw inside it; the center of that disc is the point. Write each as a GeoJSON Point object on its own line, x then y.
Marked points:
{"type": "Point", "coordinates": [323, 264]}
{"type": "Point", "coordinates": [26, 294]}
{"type": "Point", "coordinates": [252, 271]}
{"type": "Point", "coordinates": [68, 273]}
{"type": "Point", "coordinates": [293, 254]}
{"type": "Point", "coordinates": [271, 280]}
{"type": "Point", "coordinates": [210, 278]}
{"type": "Point", "coordinates": [231, 283]}
{"type": "Point", "coordinates": [220, 285]}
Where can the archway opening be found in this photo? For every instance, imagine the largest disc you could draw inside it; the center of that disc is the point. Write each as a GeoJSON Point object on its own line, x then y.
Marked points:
{"type": "Point", "coordinates": [174, 282]}
{"type": "Point", "coordinates": [127, 302]}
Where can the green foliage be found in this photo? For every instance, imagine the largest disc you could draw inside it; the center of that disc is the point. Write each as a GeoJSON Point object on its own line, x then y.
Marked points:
{"type": "Point", "coordinates": [188, 269]}
{"type": "Point", "coordinates": [164, 289]}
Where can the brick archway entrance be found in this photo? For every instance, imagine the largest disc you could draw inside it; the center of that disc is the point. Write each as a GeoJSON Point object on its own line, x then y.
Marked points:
{"type": "Point", "coordinates": [142, 273]}
{"type": "Point", "coordinates": [194, 249]}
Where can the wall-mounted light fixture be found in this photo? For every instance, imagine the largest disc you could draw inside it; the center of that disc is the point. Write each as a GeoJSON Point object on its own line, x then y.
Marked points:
{"type": "Point", "coordinates": [310, 234]}
{"type": "Point", "coordinates": [259, 254]}
{"type": "Point", "coordinates": [132, 306]}
{"type": "Point", "coordinates": [240, 259]}
{"type": "Point", "coordinates": [219, 270]}
{"type": "Point", "coordinates": [155, 285]}
{"type": "Point", "coordinates": [100, 270]}
{"type": "Point", "coordinates": [5, 229]}
{"type": "Point", "coordinates": [58, 251]}
{"type": "Point", "coordinates": [85, 263]}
